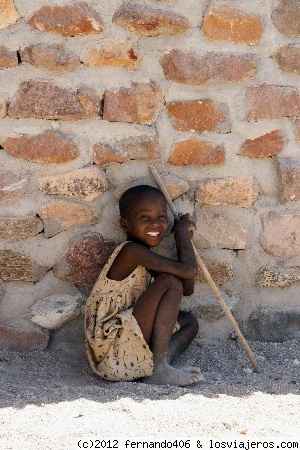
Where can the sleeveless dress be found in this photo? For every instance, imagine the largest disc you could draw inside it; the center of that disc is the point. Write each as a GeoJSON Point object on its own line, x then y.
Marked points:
{"type": "Point", "coordinates": [115, 345]}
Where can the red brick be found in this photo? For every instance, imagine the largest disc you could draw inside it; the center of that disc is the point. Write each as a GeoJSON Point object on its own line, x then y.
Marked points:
{"type": "Point", "coordinates": [42, 100]}
{"type": "Point", "coordinates": [54, 58]}
{"type": "Point", "coordinates": [289, 178]}
{"type": "Point", "coordinates": [83, 184]}
{"type": "Point", "coordinates": [195, 69]}
{"type": "Point", "coordinates": [199, 116]}
{"type": "Point", "coordinates": [286, 17]}
{"type": "Point", "coordinates": [16, 340]}
{"type": "Point", "coordinates": [117, 55]}
{"type": "Point", "coordinates": [272, 102]}
{"type": "Point", "coordinates": [232, 25]}
{"type": "Point", "coordinates": [9, 15]}
{"type": "Point", "coordinates": [68, 20]}
{"type": "Point", "coordinates": [134, 147]}
{"type": "Point", "coordinates": [139, 104]}
{"type": "Point", "coordinates": [147, 21]}
{"type": "Point", "coordinates": [47, 147]}
{"type": "Point", "coordinates": [286, 225]}
{"type": "Point", "coordinates": [194, 151]}
{"type": "Point", "coordinates": [12, 185]}
{"type": "Point", "coordinates": [241, 191]}
{"type": "Point", "coordinates": [84, 259]}
{"type": "Point", "coordinates": [270, 144]}
{"type": "Point", "coordinates": [8, 58]}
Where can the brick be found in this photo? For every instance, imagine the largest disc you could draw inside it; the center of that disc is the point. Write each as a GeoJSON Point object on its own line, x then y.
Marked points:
{"type": "Point", "coordinates": [12, 185]}
{"type": "Point", "coordinates": [8, 58]}
{"type": "Point", "coordinates": [219, 231]}
{"type": "Point", "coordinates": [15, 266]}
{"type": "Point", "coordinates": [148, 21]}
{"type": "Point", "coordinates": [16, 340]}
{"type": "Point", "coordinates": [8, 13]}
{"type": "Point", "coordinates": [68, 20]}
{"type": "Point", "coordinates": [240, 191]}
{"type": "Point", "coordinates": [42, 100]}
{"type": "Point", "coordinates": [3, 107]}
{"type": "Point", "coordinates": [19, 227]}
{"type": "Point", "coordinates": [194, 151]}
{"type": "Point", "coordinates": [272, 102]}
{"type": "Point", "coordinates": [286, 17]}
{"type": "Point", "coordinates": [270, 144]}
{"type": "Point", "coordinates": [48, 147]}
{"type": "Point", "coordinates": [288, 59]}
{"type": "Point", "coordinates": [140, 103]}
{"type": "Point", "coordinates": [84, 259]}
{"type": "Point", "coordinates": [289, 178]}
{"type": "Point", "coordinates": [196, 69]}
{"type": "Point", "coordinates": [232, 25]}
{"type": "Point", "coordinates": [83, 184]}
{"type": "Point", "coordinates": [282, 278]}
{"type": "Point", "coordinates": [131, 148]}
{"type": "Point", "coordinates": [59, 216]}
{"type": "Point", "coordinates": [54, 58]}
{"type": "Point", "coordinates": [221, 272]}
{"type": "Point", "coordinates": [117, 55]}
{"type": "Point", "coordinates": [273, 325]}
{"type": "Point", "coordinates": [285, 224]}
{"type": "Point", "coordinates": [199, 116]}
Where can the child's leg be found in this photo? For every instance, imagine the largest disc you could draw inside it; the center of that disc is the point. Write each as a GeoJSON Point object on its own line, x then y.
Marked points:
{"type": "Point", "coordinates": [156, 312]}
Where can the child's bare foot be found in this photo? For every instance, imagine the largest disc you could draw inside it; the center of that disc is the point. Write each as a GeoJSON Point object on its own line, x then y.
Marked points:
{"type": "Point", "coordinates": [165, 374]}
{"type": "Point", "coordinates": [192, 369]}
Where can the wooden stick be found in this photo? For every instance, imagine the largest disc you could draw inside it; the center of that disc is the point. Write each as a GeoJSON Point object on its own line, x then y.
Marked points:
{"type": "Point", "coordinates": [208, 277]}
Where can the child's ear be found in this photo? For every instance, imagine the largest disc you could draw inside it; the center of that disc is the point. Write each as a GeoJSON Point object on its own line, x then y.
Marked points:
{"type": "Point", "coordinates": [124, 224]}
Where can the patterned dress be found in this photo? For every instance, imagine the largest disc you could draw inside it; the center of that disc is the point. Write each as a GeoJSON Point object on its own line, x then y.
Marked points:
{"type": "Point", "coordinates": [114, 343]}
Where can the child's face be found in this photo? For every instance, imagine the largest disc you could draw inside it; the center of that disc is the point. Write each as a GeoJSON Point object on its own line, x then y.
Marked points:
{"type": "Point", "coordinates": [147, 221]}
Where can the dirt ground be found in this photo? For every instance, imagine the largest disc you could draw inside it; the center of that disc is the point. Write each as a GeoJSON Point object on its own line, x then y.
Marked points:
{"type": "Point", "coordinates": [52, 400]}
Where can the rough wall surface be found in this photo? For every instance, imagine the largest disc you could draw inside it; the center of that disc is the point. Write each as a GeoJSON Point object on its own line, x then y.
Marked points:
{"type": "Point", "coordinates": [91, 93]}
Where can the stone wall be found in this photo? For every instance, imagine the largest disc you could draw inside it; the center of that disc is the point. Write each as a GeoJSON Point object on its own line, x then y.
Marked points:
{"type": "Point", "coordinates": [91, 93]}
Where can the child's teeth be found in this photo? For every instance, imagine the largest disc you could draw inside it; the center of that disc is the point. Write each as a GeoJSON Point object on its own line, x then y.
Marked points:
{"type": "Point", "coordinates": [153, 233]}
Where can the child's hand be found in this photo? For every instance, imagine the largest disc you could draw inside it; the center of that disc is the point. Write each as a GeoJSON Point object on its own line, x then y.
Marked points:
{"type": "Point", "coordinates": [184, 223]}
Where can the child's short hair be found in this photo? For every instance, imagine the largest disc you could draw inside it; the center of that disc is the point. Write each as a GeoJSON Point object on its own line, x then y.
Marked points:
{"type": "Point", "coordinates": [134, 194]}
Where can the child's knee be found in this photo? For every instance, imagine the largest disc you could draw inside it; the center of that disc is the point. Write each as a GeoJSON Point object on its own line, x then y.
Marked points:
{"type": "Point", "coordinates": [171, 282]}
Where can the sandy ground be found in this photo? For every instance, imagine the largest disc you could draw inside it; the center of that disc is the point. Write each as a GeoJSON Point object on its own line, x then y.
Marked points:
{"type": "Point", "coordinates": [52, 400]}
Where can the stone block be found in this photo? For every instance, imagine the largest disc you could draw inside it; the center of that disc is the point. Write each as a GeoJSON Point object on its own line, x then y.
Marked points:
{"type": "Point", "coordinates": [273, 325]}
{"type": "Point", "coordinates": [286, 225]}
{"type": "Point", "coordinates": [271, 102]}
{"type": "Point", "coordinates": [121, 150]}
{"type": "Point", "coordinates": [12, 185]}
{"type": "Point", "coordinates": [54, 58]}
{"type": "Point", "coordinates": [232, 25]}
{"type": "Point", "coordinates": [218, 231]}
{"type": "Point", "coordinates": [296, 123]}
{"type": "Point", "coordinates": [42, 100]}
{"type": "Point", "coordinates": [59, 216]}
{"type": "Point", "coordinates": [19, 227]}
{"type": "Point", "coordinates": [289, 178]}
{"type": "Point", "coordinates": [84, 259]}
{"type": "Point", "coordinates": [147, 21]}
{"type": "Point", "coordinates": [15, 266]}
{"type": "Point", "coordinates": [77, 19]}
{"type": "Point", "coordinates": [239, 191]}
{"type": "Point", "coordinates": [116, 55]}
{"type": "Point", "coordinates": [3, 107]}
{"type": "Point", "coordinates": [48, 147]}
{"type": "Point", "coordinates": [83, 184]}
{"type": "Point", "coordinates": [56, 310]}
{"type": "Point", "coordinates": [221, 272]}
{"type": "Point", "coordinates": [282, 278]}
{"type": "Point", "coordinates": [140, 103]}
{"type": "Point", "coordinates": [286, 17]}
{"type": "Point", "coordinates": [267, 145]}
{"type": "Point", "coordinates": [194, 151]}
{"type": "Point", "coordinates": [288, 59]}
{"type": "Point", "coordinates": [199, 116]}
{"type": "Point", "coordinates": [17, 340]}
{"type": "Point", "coordinates": [7, 58]}
{"type": "Point", "coordinates": [8, 15]}
{"type": "Point", "coordinates": [196, 69]}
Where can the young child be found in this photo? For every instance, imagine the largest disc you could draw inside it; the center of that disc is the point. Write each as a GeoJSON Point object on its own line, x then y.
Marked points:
{"type": "Point", "coordinates": [134, 328]}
